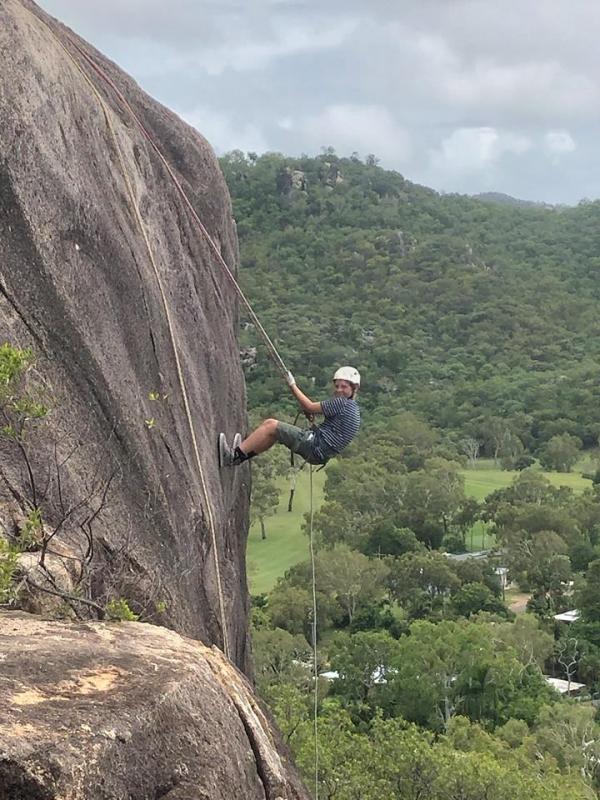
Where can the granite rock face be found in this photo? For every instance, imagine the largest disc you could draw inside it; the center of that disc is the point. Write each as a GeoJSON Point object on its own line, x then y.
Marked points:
{"type": "Point", "coordinates": [100, 711]}
{"type": "Point", "coordinates": [90, 287]}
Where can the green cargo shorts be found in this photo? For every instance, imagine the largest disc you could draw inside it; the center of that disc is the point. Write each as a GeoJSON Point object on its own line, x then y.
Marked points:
{"type": "Point", "coordinates": [298, 440]}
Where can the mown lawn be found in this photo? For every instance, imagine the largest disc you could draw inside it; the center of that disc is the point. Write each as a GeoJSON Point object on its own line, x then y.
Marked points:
{"type": "Point", "coordinates": [285, 544]}
{"type": "Point", "coordinates": [486, 478]}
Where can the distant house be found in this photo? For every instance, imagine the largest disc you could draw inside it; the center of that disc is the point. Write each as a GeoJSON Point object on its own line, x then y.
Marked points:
{"type": "Point", "coordinates": [572, 688]}
{"type": "Point", "coordinates": [568, 616]}
{"type": "Point", "coordinates": [477, 555]}
{"type": "Point", "coordinates": [331, 675]}
{"type": "Point", "coordinates": [502, 573]}
{"type": "Point", "coordinates": [377, 676]}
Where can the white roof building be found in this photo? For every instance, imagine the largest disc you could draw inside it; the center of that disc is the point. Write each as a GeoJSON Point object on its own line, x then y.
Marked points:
{"type": "Point", "coordinates": [568, 616]}
{"type": "Point", "coordinates": [563, 687]}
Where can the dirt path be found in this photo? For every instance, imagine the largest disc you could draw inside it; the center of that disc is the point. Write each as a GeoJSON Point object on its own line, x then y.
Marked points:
{"type": "Point", "coordinates": [518, 603]}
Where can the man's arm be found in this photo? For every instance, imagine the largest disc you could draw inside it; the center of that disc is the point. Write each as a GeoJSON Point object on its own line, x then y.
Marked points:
{"type": "Point", "coordinates": [305, 402]}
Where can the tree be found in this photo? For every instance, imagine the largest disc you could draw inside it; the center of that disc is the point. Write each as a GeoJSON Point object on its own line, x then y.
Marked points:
{"type": "Point", "coordinates": [511, 450]}
{"type": "Point", "coordinates": [531, 644]}
{"type": "Point", "coordinates": [453, 668]}
{"type": "Point", "coordinates": [568, 654]}
{"type": "Point", "coordinates": [291, 706]}
{"type": "Point", "coordinates": [587, 596]}
{"type": "Point", "coordinates": [470, 447]}
{"type": "Point", "coordinates": [392, 759]}
{"type": "Point", "coordinates": [334, 523]}
{"type": "Point", "coordinates": [362, 661]}
{"type": "Point", "coordinates": [415, 574]}
{"type": "Point", "coordinates": [571, 735]}
{"type": "Point", "coordinates": [265, 499]}
{"type": "Point", "coordinates": [560, 452]}
{"type": "Point", "coordinates": [350, 578]}
{"type": "Point", "coordinates": [386, 539]}
{"type": "Point", "coordinates": [279, 657]}
{"type": "Point", "coordinates": [430, 500]}
{"type": "Point", "coordinates": [291, 608]}
{"type": "Point", "coordinates": [472, 598]}
{"type": "Point", "coordinates": [496, 430]}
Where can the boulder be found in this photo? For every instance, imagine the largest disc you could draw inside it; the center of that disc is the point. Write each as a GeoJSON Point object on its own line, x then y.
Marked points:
{"type": "Point", "coordinates": [39, 583]}
{"type": "Point", "coordinates": [100, 711]}
{"type": "Point", "coordinates": [291, 181]}
{"type": "Point", "coordinates": [107, 277]}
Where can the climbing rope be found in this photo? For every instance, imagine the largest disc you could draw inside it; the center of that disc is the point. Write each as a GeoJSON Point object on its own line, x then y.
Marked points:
{"type": "Point", "coordinates": [314, 637]}
{"type": "Point", "coordinates": [180, 375]}
{"type": "Point", "coordinates": [271, 349]}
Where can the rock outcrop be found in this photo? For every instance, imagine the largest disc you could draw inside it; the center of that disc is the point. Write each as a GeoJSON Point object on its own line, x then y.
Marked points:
{"type": "Point", "coordinates": [96, 711]}
{"type": "Point", "coordinates": [80, 283]}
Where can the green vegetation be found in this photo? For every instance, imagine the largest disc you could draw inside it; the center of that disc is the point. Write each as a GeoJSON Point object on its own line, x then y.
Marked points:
{"type": "Point", "coordinates": [477, 328]}
{"type": "Point", "coordinates": [41, 507]}
{"type": "Point", "coordinates": [285, 544]}
{"type": "Point", "coordinates": [482, 319]}
{"type": "Point", "coordinates": [486, 478]}
{"type": "Point", "coordinates": [118, 609]}
{"type": "Point", "coordinates": [8, 566]}
{"type": "Point", "coordinates": [20, 409]}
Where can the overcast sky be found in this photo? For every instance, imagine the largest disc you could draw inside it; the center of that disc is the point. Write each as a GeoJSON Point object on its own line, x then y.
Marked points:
{"type": "Point", "coordinates": [461, 95]}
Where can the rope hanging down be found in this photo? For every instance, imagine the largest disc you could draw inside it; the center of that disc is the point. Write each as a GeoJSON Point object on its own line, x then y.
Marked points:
{"type": "Point", "coordinates": [107, 114]}
{"type": "Point", "coordinates": [272, 350]}
{"type": "Point", "coordinates": [314, 637]}
{"type": "Point", "coordinates": [277, 360]}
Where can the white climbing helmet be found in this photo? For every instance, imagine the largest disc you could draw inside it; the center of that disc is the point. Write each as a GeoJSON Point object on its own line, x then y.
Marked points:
{"type": "Point", "coordinates": [349, 374]}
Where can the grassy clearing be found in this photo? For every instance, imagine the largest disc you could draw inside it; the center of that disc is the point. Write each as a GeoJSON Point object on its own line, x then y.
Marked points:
{"type": "Point", "coordinates": [479, 537]}
{"type": "Point", "coordinates": [285, 544]}
{"type": "Point", "coordinates": [485, 478]}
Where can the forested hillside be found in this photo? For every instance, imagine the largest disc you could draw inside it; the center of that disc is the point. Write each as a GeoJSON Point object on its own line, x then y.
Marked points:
{"type": "Point", "coordinates": [476, 327]}
{"type": "Point", "coordinates": [484, 319]}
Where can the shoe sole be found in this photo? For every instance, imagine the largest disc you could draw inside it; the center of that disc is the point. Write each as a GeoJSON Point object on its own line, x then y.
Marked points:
{"type": "Point", "coordinates": [221, 450]}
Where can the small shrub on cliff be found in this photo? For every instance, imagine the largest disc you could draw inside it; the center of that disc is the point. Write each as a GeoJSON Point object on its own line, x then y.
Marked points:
{"type": "Point", "coordinates": [119, 610]}
{"type": "Point", "coordinates": [19, 406]}
{"type": "Point", "coordinates": [8, 568]}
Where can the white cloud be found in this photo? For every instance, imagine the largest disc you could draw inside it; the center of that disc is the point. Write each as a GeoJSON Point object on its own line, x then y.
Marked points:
{"type": "Point", "coordinates": [224, 133]}
{"type": "Point", "coordinates": [475, 149]}
{"type": "Point", "coordinates": [361, 128]}
{"type": "Point", "coordinates": [235, 47]}
{"type": "Point", "coordinates": [287, 38]}
{"type": "Point", "coordinates": [461, 95]}
{"type": "Point", "coordinates": [526, 89]}
{"type": "Point", "coordinates": [558, 143]}
{"type": "Point", "coordinates": [492, 87]}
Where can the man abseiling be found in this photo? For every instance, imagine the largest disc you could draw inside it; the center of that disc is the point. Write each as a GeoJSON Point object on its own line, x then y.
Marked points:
{"type": "Point", "coordinates": [341, 424]}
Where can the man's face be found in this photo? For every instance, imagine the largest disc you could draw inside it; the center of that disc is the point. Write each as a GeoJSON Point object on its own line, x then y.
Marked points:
{"type": "Point", "coordinates": [343, 389]}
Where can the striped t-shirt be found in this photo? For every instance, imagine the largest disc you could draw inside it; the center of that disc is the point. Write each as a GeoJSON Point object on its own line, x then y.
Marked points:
{"type": "Point", "coordinates": [342, 421]}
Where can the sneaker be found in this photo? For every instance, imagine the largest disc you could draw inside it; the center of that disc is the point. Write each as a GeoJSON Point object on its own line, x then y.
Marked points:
{"type": "Point", "coordinates": [237, 442]}
{"type": "Point", "coordinates": [226, 454]}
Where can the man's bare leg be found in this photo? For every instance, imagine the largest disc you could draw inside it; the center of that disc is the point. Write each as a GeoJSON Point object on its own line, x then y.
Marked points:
{"type": "Point", "coordinates": [260, 439]}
